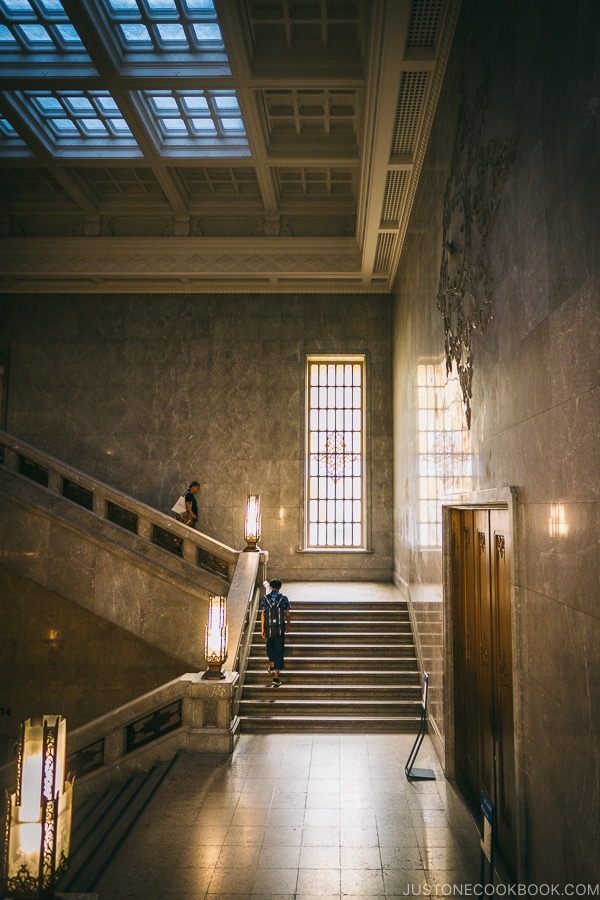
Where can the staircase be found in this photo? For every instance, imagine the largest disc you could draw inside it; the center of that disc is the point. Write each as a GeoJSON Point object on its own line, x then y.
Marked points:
{"type": "Point", "coordinates": [350, 666]}
{"type": "Point", "coordinates": [101, 824]}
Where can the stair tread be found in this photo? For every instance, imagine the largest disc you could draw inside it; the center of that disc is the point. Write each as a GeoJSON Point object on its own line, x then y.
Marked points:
{"type": "Point", "coordinates": [338, 718]}
{"type": "Point", "coordinates": [353, 704]}
{"type": "Point", "coordinates": [361, 658]}
{"type": "Point", "coordinates": [290, 672]}
{"type": "Point", "coordinates": [321, 682]}
{"type": "Point", "coordinates": [105, 832]}
{"type": "Point", "coordinates": [349, 665]}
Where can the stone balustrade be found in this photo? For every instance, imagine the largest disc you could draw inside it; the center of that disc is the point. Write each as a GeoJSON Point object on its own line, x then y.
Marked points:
{"type": "Point", "coordinates": [150, 524]}
{"type": "Point", "coordinates": [105, 551]}
{"type": "Point", "coordinates": [189, 713]}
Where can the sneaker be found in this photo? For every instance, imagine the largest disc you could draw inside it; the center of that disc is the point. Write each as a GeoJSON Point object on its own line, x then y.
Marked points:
{"type": "Point", "coordinates": [271, 670]}
{"type": "Point", "coordinates": [276, 682]}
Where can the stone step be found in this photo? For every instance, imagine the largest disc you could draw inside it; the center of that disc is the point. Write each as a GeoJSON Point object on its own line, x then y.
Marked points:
{"type": "Point", "coordinates": [335, 676]}
{"type": "Point", "coordinates": [360, 661]}
{"type": "Point", "coordinates": [375, 636]}
{"type": "Point", "coordinates": [328, 612]}
{"type": "Point", "coordinates": [101, 826]}
{"type": "Point", "coordinates": [276, 702]}
{"type": "Point", "coordinates": [349, 603]}
{"type": "Point", "coordinates": [327, 692]}
{"type": "Point", "coordinates": [350, 666]}
{"type": "Point", "coordinates": [332, 724]}
{"type": "Point", "coordinates": [353, 649]}
{"type": "Point", "coordinates": [337, 625]}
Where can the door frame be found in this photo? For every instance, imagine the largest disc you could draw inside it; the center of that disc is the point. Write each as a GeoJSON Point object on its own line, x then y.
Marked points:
{"type": "Point", "coordinates": [495, 498]}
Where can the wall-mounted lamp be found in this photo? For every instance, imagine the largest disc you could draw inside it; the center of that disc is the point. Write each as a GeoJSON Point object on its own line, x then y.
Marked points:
{"type": "Point", "coordinates": [557, 523]}
{"type": "Point", "coordinates": [38, 822]}
{"type": "Point", "coordinates": [215, 643]}
{"type": "Point", "coordinates": [252, 522]}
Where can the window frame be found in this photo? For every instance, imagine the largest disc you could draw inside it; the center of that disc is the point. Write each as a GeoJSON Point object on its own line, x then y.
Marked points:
{"type": "Point", "coordinates": [360, 358]}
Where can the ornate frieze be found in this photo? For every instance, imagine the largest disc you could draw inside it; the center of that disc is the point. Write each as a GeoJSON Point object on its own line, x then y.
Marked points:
{"type": "Point", "coordinates": [474, 189]}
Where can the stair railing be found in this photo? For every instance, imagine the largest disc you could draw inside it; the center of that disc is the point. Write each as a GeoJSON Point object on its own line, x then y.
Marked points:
{"type": "Point", "coordinates": [149, 524]}
{"type": "Point", "coordinates": [241, 663]}
{"type": "Point", "coordinates": [188, 713]}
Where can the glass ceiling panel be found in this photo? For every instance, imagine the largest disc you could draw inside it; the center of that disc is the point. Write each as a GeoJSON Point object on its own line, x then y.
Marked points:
{"type": "Point", "coordinates": [197, 115]}
{"type": "Point", "coordinates": [85, 118]}
{"type": "Point", "coordinates": [166, 25]}
{"type": "Point", "coordinates": [37, 26]}
{"type": "Point", "coordinates": [151, 34]}
{"type": "Point", "coordinates": [8, 135]}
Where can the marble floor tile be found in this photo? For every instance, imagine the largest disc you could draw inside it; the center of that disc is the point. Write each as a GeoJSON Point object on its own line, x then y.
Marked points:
{"type": "Point", "coordinates": [259, 835]}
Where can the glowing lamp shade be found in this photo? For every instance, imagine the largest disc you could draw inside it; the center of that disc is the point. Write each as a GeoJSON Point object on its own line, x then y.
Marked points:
{"type": "Point", "coordinates": [252, 522]}
{"type": "Point", "coordinates": [215, 644]}
{"type": "Point", "coordinates": [38, 825]}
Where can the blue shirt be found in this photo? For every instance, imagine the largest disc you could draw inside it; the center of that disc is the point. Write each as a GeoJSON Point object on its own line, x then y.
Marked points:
{"type": "Point", "coordinates": [274, 598]}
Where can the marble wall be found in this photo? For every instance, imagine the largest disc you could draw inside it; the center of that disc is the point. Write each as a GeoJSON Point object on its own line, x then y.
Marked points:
{"type": "Point", "coordinates": [54, 649]}
{"type": "Point", "coordinates": [534, 70]}
{"type": "Point", "coordinates": [148, 393]}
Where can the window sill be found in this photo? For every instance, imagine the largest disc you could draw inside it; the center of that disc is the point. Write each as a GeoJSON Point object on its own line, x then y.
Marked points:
{"type": "Point", "coordinates": [351, 550]}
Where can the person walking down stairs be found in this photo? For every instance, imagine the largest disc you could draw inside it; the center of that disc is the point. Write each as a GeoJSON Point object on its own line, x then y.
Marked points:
{"type": "Point", "coordinates": [275, 619]}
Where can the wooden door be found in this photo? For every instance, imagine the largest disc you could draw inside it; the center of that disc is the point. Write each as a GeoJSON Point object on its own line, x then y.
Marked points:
{"type": "Point", "coordinates": [484, 731]}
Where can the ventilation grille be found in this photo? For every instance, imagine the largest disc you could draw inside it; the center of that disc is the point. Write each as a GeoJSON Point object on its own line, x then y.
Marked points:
{"type": "Point", "coordinates": [424, 23]}
{"type": "Point", "coordinates": [385, 251]}
{"type": "Point", "coordinates": [394, 192]}
{"type": "Point", "coordinates": [412, 91]}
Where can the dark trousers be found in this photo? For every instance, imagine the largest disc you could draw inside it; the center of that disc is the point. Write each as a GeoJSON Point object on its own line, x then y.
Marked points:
{"type": "Point", "coordinates": [276, 650]}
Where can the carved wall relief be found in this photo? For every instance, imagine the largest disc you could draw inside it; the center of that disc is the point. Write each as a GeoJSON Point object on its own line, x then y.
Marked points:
{"type": "Point", "coordinates": [477, 177]}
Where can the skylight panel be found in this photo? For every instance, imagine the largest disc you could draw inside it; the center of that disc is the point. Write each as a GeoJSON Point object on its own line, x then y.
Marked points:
{"type": "Point", "coordinates": [8, 135]}
{"type": "Point", "coordinates": [81, 119]}
{"type": "Point", "coordinates": [197, 116]}
{"type": "Point", "coordinates": [37, 27]}
{"type": "Point", "coordinates": [166, 25]}
{"type": "Point", "coordinates": [7, 39]}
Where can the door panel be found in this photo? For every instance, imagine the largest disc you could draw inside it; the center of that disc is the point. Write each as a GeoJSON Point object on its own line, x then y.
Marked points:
{"type": "Point", "coordinates": [504, 722]}
{"type": "Point", "coordinates": [484, 728]}
{"type": "Point", "coordinates": [466, 641]}
{"type": "Point", "coordinates": [486, 676]}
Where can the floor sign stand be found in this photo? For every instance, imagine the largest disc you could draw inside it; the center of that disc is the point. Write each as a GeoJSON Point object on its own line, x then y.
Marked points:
{"type": "Point", "coordinates": [420, 774]}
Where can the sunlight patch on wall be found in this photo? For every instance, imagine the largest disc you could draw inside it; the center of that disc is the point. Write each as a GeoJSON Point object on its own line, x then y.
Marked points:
{"type": "Point", "coordinates": [445, 459]}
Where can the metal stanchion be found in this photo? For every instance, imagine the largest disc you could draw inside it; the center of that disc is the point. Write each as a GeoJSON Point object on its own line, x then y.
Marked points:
{"type": "Point", "coordinates": [420, 774]}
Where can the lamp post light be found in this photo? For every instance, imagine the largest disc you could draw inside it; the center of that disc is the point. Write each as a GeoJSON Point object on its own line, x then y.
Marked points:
{"type": "Point", "coordinates": [38, 816]}
{"type": "Point", "coordinates": [215, 642]}
{"type": "Point", "coordinates": [252, 522]}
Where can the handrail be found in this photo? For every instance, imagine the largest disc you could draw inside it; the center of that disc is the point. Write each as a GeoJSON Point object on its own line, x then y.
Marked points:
{"type": "Point", "coordinates": [245, 573]}
{"type": "Point", "coordinates": [241, 661]}
{"type": "Point", "coordinates": [115, 506]}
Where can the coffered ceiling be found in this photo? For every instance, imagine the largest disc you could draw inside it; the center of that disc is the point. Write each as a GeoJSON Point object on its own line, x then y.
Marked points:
{"type": "Point", "coordinates": [226, 146]}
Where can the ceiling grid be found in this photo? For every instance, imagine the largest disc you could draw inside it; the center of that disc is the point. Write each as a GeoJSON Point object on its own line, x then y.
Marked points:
{"type": "Point", "coordinates": [263, 145]}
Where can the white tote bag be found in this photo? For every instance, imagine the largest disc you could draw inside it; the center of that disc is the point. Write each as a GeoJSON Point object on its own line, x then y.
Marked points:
{"type": "Point", "coordinates": [180, 506]}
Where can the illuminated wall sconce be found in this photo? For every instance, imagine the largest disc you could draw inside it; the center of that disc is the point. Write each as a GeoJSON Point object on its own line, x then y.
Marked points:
{"type": "Point", "coordinates": [215, 644]}
{"type": "Point", "coordinates": [252, 522]}
{"type": "Point", "coordinates": [38, 819]}
{"type": "Point", "coordinates": [557, 524]}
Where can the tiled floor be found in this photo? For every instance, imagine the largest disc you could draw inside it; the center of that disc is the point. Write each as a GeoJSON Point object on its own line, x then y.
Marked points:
{"type": "Point", "coordinates": [299, 816]}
